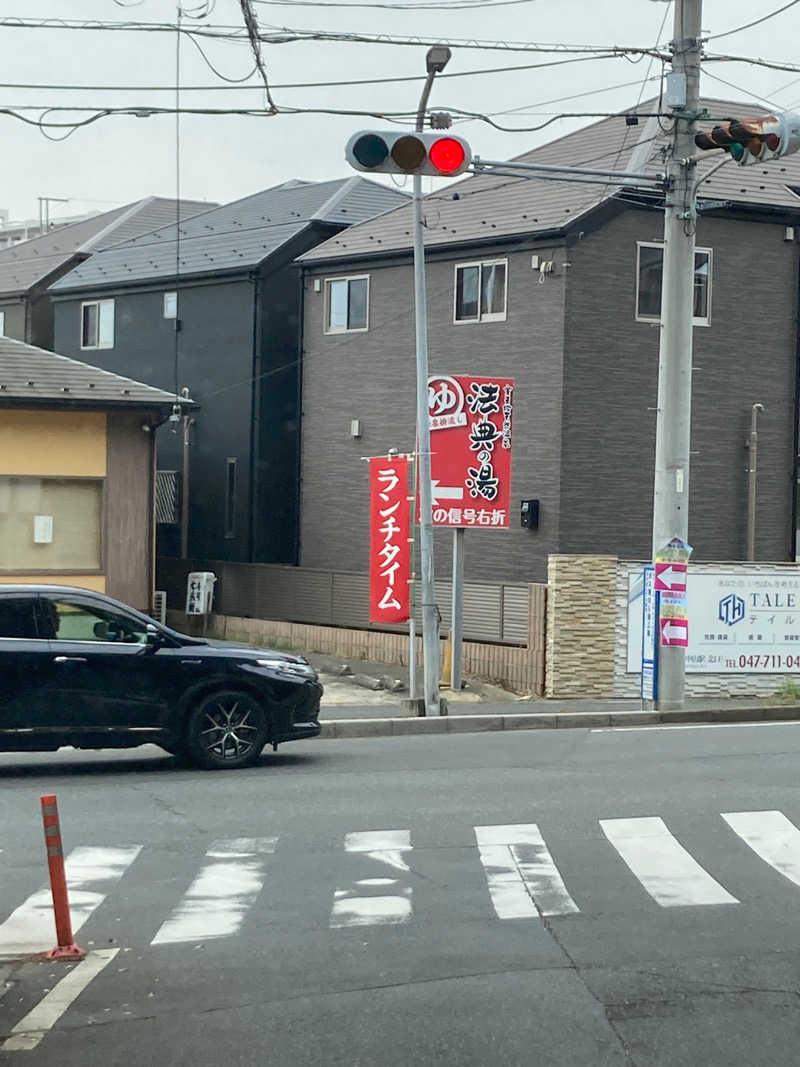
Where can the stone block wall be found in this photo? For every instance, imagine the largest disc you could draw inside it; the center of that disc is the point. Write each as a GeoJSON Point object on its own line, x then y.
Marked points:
{"type": "Point", "coordinates": [580, 633]}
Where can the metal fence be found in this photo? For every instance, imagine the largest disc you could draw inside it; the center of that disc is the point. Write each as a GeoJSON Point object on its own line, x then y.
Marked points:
{"type": "Point", "coordinates": [497, 613]}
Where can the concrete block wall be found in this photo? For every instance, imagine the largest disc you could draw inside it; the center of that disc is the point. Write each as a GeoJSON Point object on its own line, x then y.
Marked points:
{"type": "Point", "coordinates": [580, 633]}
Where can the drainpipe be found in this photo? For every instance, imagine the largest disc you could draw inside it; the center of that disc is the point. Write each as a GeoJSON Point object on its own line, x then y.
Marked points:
{"type": "Point", "coordinates": [752, 474]}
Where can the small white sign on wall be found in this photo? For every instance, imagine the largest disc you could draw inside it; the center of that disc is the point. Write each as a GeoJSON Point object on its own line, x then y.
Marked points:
{"type": "Point", "coordinates": [43, 529]}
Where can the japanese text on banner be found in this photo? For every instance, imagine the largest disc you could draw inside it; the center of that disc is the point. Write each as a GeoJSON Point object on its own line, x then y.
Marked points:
{"type": "Point", "coordinates": [389, 550]}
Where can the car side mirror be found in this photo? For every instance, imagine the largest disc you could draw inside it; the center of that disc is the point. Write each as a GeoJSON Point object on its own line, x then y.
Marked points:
{"type": "Point", "coordinates": [153, 636]}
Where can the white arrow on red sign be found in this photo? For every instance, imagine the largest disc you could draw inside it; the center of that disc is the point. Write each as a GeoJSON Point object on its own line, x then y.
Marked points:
{"type": "Point", "coordinates": [675, 632]}
{"type": "Point", "coordinates": [671, 576]}
{"type": "Point", "coordinates": [446, 492]}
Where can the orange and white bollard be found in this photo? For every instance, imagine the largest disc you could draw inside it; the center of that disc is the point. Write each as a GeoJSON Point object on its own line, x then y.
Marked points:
{"type": "Point", "coordinates": [66, 947]}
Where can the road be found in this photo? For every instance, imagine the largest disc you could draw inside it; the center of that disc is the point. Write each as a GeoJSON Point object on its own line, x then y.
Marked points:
{"type": "Point", "coordinates": [551, 898]}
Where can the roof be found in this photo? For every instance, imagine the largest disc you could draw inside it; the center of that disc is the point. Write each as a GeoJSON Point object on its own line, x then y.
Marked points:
{"type": "Point", "coordinates": [34, 375]}
{"type": "Point", "coordinates": [24, 264]}
{"type": "Point", "coordinates": [485, 207]}
{"type": "Point", "coordinates": [235, 236]}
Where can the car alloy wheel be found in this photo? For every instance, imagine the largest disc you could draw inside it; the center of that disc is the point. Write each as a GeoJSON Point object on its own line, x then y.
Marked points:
{"type": "Point", "coordinates": [227, 729]}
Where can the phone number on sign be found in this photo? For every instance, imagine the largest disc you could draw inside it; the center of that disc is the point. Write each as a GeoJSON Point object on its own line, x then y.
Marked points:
{"type": "Point", "coordinates": [765, 660]}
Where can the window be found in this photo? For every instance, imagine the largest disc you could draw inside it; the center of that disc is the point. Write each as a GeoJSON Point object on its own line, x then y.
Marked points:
{"type": "Point", "coordinates": [97, 324]}
{"type": "Point", "coordinates": [346, 304]}
{"type": "Point", "coordinates": [481, 291]}
{"type": "Point", "coordinates": [17, 617]}
{"type": "Point", "coordinates": [170, 305]}
{"type": "Point", "coordinates": [2, 323]}
{"type": "Point", "coordinates": [50, 524]}
{"type": "Point", "coordinates": [650, 258]}
{"type": "Point", "coordinates": [231, 485]}
{"type": "Point", "coordinates": [70, 620]}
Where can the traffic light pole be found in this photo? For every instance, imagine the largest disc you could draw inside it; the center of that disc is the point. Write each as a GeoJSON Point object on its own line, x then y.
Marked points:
{"type": "Point", "coordinates": [673, 422]}
{"type": "Point", "coordinates": [430, 619]}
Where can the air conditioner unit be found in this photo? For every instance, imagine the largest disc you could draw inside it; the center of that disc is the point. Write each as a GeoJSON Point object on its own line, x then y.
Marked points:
{"type": "Point", "coordinates": [160, 606]}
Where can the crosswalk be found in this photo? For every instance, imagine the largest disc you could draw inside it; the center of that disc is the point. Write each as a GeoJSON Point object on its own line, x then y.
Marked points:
{"type": "Point", "coordinates": [375, 877]}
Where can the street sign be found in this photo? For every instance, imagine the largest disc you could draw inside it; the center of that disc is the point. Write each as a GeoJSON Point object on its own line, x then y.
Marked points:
{"type": "Point", "coordinates": [649, 680]}
{"type": "Point", "coordinates": [470, 422]}
{"type": "Point", "coordinates": [670, 577]}
{"type": "Point", "coordinates": [674, 631]}
{"type": "Point", "coordinates": [389, 555]}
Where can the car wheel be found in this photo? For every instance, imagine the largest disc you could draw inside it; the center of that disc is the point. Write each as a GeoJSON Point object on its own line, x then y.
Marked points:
{"type": "Point", "coordinates": [226, 730]}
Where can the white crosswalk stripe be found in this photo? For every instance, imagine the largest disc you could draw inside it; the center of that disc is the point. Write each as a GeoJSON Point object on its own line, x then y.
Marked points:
{"type": "Point", "coordinates": [523, 880]}
{"type": "Point", "coordinates": [671, 876]}
{"type": "Point", "coordinates": [217, 901]}
{"type": "Point", "coordinates": [772, 837]}
{"type": "Point", "coordinates": [91, 873]}
{"type": "Point", "coordinates": [367, 901]}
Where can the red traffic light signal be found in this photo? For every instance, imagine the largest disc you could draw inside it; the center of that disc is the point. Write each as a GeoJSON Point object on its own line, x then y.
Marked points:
{"type": "Point", "coordinates": [754, 140]}
{"type": "Point", "coordinates": [408, 153]}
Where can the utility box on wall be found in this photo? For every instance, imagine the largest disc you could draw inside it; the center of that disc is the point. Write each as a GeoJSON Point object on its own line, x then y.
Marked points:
{"type": "Point", "coordinates": [529, 514]}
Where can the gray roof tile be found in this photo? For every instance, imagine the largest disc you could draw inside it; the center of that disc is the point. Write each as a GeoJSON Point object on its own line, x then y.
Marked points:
{"type": "Point", "coordinates": [486, 207]}
{"type": "Point", "coordinates": [24, 264]}
{"type": "Point", "coordinates": [28, 373]}
{"type": "Point", "coordinates": [237, 235]}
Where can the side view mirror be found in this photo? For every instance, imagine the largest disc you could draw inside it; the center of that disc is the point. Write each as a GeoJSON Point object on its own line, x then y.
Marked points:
{"type": "Point", "coordinates": [153, 636]}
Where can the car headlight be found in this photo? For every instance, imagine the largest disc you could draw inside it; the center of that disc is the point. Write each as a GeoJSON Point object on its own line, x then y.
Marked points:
{"type": "Point", "coordinates": [300, 670]}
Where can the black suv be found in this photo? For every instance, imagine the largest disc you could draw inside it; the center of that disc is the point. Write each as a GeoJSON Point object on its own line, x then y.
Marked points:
{"type": "Point", "coordinates": [78, 668]}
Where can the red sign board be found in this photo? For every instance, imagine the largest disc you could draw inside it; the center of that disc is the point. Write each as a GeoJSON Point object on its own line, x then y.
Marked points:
{"type": "Point", "coordinates": [470, 420]}
{"type": "Point", "coordinates": [389, 550]}
{"type": "Point", "coordinates": [671, 577]}
{"type": "Point", "coordinates": [674, 631]}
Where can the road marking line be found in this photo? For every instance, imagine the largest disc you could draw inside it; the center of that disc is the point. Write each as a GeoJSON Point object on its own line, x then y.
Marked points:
{"type": "Point", "coordinates": [216, 902]}
{"type": "Point", "coordinates": [671, 876]}
{"type": "Point", "coordinates": [30, 1030]}
{"type": "Point", "coordinates": [357, 906]}
{"type": "Point", "coordinates": [692, 726]}
{"type": "Point", "coordinates": [90, 874]}
{"type": "Point", "coordinates": [773, 837]}
{"type": "Point", "coordinates": [523, 879]}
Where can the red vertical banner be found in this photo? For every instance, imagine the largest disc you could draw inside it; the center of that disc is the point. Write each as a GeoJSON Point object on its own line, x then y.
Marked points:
{"type": "Point", "coordinates": [389, 532]}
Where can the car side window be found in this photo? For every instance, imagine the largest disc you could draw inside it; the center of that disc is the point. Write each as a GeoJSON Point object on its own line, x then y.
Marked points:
{"type": "Point", "coordinates": [18, 617]}
{"type": "Point", "coordinates": [69, 620]}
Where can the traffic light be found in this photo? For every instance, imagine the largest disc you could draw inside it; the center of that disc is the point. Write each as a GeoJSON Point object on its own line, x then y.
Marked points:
{"type": "Point", "coordinates": [754, 140]}
{"type": "Point", "coordinates": [379, 152]}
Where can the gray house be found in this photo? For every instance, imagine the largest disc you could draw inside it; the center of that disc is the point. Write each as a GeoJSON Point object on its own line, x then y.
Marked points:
{"type": "Point", "coordinates": [27, 268]}
{"type": "Point", "coordinates": [215, 306]}
{"type": "Point", "coordinates": [558, 286]}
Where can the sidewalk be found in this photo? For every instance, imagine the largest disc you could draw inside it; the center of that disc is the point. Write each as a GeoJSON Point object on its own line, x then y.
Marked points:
{"type": "Point", "coordinates": [348, 710]}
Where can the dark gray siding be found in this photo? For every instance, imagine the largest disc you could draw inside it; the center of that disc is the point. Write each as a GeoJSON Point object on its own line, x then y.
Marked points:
{"type": "Point", "coordinates": [215, 362]}
{"type": "Point", "coordinates": [611, 383]}
{"type": "Point", "coordinates": [14, 310]}
{"type": "Point", "coordinates": [371, 376]}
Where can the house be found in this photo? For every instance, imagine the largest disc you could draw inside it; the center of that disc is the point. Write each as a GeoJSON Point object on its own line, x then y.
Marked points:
{"type": "Point", "coordinates": [77, 450]}
{"type": "Point", "coordinates": [28, 267]}
{"type": "Point", "coordinates": [558, 285]}
{"type": "Point", "coordinates": [214, 305]}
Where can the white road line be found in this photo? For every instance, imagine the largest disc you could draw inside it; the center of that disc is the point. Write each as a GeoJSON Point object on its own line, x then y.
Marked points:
{"type": "Point", "coordinates": [523, 880]}
{"type": "Point", "coordinates": [216, 902]}
{"type": "Point", "coordinates": [91, 872]}
{"type": "Point", "coordinates": [360, 905]}
{"type": "Point", "coordinates": [671, 876]}
{"type": "Point", "coordinates": [692, 726]}
{"type": "Point", "coordinates": [771, 836]}
{"type": "Point", "coordinates": [30, 1030]}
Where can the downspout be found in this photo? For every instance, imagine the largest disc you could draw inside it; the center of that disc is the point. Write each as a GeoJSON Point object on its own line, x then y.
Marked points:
{"type": "Point", "coordinates": [301, 316]}
{"type": "Point", "coordinates": [793, 548]}
{"type": "Point", "coordinates": [253, 482]}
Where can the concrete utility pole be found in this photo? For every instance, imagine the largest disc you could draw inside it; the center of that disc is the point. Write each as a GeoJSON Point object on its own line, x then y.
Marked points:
{"type": "Point", "coordinates": [436, 60]}
{"type": "Point", "coordinates": [673, 424]}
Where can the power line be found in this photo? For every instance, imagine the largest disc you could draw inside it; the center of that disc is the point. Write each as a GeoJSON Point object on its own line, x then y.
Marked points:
{"type": "Point", "coordinates": [251, 23]}
{"type": "Point", "coordinates": [436, 5]}
{"type": "Point", "coordinates": [757, 22]}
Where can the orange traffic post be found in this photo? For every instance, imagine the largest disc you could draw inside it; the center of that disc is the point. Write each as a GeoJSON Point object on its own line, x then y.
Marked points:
{"type": "Point", "coordinates": [66, 947]}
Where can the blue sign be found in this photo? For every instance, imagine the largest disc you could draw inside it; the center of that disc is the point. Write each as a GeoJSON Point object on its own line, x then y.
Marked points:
{"type": "Point", "coordinates": [650, 609]}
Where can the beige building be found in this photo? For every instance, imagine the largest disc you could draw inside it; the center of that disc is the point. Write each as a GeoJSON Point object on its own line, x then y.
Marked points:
{"type": "Point", "coordinates": [77, 474]}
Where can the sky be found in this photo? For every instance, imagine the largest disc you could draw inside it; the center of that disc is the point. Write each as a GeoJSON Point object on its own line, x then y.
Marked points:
{"type": "Point", "coordinates": [119, 159]}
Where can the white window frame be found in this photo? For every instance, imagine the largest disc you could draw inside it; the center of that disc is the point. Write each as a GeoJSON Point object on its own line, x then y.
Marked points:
{"type": "Point", "coordinates": [3, 324]}
{"type": "Point", "coordinates": [167, 295]}
{"type": "Point", "coordinates": [495, 316]}
{"type": "Point", "coordinates": [327, 290]}
{"type": "Point", "coordinates": [704, 320]}
{"type": "Point", "coordinates": [98, 304]}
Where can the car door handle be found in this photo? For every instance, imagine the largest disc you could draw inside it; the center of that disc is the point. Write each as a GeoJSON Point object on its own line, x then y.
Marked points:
{"type": "Point", "coordinates": [185, 661]}
{"type": "Point", "coordinates": [70, 659]}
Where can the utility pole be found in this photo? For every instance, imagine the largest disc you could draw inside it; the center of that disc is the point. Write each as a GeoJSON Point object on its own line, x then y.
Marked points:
{"type": "Point", "coordinates": [673, 423]}
{"type": "Point", "coordinates": [436, 60]}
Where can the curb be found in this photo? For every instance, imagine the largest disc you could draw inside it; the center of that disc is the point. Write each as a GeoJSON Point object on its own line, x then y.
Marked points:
{"type": "Point", "coordinates": [468, 724]}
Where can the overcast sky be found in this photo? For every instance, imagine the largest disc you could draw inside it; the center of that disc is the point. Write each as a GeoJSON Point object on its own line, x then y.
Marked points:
{"type": "Point", "coordinates": [119, 159]}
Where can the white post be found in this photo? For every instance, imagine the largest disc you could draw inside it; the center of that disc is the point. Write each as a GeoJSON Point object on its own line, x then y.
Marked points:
{"type": "Point", "coordinates": [457, 618]}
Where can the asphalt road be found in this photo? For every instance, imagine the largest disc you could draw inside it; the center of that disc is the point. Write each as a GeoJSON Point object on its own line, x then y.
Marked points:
{"type": "Point", "coordinates": [551, 898]}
